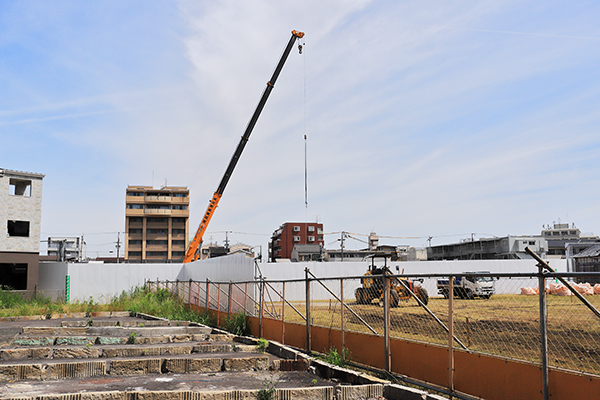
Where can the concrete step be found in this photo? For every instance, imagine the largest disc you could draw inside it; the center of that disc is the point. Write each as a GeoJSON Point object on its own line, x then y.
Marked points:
{"type": "Point", "coordinates": [220, 386]}
{"type": "Point", "coordinates": [115, 331]}
{"type": "Point", "coordinates": [132, 350]}
{"type": "Point", "coordinates": [174, 364]}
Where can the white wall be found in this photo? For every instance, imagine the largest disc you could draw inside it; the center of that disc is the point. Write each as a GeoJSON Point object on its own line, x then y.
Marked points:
{"type": "Point", "coordinates": [52, 279]}
{"type": "Point", "coordinates": [103, 281]}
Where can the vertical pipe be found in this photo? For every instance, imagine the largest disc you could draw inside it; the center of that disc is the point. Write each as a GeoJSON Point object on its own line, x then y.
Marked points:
{"type": "Point", "coordinates": [451, 334]}
{"type": "Point", "coordinates": [543, 331]}
{"type": "Point", "coordinates": [342, 318]}
{"type": "Point", "coordinates": [307, 285]}
{"type": "Point", "coordinates": [283, 314]}
{"type": "Point", "coordinates": [386, 320]}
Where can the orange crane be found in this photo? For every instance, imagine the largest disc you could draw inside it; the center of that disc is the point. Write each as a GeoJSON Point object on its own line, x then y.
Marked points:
{"type": "Point", "coordinates": [192, 253]}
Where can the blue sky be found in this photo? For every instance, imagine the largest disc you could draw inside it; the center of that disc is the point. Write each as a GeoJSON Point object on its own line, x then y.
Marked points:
{"type": "Point", "coordinates": [423, 118]}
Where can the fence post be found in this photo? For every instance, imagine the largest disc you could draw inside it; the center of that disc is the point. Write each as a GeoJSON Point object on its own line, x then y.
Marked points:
{"type": "Point", "coordinates": [342, 318]}
{"type": "Point", "coordinates": [207, 296]}
{"type": "Point", "coordinates": [386, 320]}
{"type": "Point", "coordinates": [261, 306]}
{"type": "Point", "coordinates": [245, 298]}
{"type": "Point", "coordinates": [190, 294]}
{"type": "Point", "coordinates": [451, 333]}
{"type": "Point", "coordinates": [543, 331]}
{"type": "Point", "coordinates": [218, 304]}
{"type": "Point", "coordinates": [283, 314]}
{"type": "Point", "coordinates": [307, 284]}
{"type": "Point", "coordinates": [229, 303]}
{"type": "Point", "coordinates": [177, 287]}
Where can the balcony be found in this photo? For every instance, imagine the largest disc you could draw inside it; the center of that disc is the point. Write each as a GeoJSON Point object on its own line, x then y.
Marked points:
{"type": "Point", "coordinates": [157, 199]}
{"type": "Point", "coordinates": [156, 211]}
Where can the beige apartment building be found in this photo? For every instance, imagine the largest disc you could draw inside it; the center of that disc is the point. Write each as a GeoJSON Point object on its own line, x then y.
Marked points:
{"type": "Point", "coordinates": [156, 223]}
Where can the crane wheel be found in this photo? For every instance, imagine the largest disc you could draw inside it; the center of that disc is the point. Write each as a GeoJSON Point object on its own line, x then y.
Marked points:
{"type": "Point", "coordinates": [422, 295]}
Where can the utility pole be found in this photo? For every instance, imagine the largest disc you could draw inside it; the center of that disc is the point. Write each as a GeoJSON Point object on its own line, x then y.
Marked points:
{"type": "Point", "coordinates": [118, 245]}
{"type": "Point", "coordinates": [342, 244]}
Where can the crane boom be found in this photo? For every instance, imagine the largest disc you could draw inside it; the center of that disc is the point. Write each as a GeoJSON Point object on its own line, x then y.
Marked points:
{"type": "Point", "coordinates": [192, 251]}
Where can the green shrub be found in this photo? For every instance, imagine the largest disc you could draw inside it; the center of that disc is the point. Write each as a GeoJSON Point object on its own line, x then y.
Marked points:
{"type": "Point", "coordinates": [261, 345]}
{"type": "Point", "coordinates": [335, 358]}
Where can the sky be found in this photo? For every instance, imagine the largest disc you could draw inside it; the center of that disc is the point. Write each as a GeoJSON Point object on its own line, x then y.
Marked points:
{"type": "Point", "coordinates": [423, 119]}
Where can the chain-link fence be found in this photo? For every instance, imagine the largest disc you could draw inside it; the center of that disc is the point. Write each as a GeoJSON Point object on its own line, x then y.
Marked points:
{"type": "Point", "coordinates": [482, 313]}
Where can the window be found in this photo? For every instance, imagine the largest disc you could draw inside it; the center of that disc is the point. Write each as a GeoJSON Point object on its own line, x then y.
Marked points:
{"type": "Point", "coordinates": [14, 275]}
{"type": "Point", "coordinates": [135, 193]}
{"type": "Point", "coordinates": [135, 219]}
{"type": "Point", "coordinates": [160, 231]}
{"type": "Point", "coordinates": [156, 253]}
{"type": "Point", "coordinates": [296, 238]}
{"type": "Point", "coordinates": [19, 187]}
{"type": "Point", "coordinates": [154, 219]}
{"type": "Point", "coordinates": [135, 231]}
{"type": "Point", "coordinates": [178, 219]}
{"type": "Point", "coordinates": [311, 238]}
{"type": "Point", "coordinates": [177, 231]}
{"type": "Point", "coordinates": [296, 229]}
{"type": "Point", "coordinates": [177, 253]}
{"type": "Point", "coordinates": [179, 195]}
{"type": "Point", "coordinates": [179, 207]}
{"type": "Point", "coordinates": [135, 242]}
{"type": "Point", "coordinates": [178, 242]}
{"type": "Point", "coordinates": [532, 243]}
{"type": "Point", "coordinates": [18, 228]}
{"type": "Point", "coordinates": [135, 254]}
{"type": "Point", "coordinates": [156, 242]}
{"type": "Point", "coordinates": [311, 228]}
{"type": "Point", "coordinates": [135, 206]}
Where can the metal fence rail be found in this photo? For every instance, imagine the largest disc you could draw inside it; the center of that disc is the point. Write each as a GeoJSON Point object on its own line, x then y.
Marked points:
{"type": "Point", "coordinates": [551, 327]}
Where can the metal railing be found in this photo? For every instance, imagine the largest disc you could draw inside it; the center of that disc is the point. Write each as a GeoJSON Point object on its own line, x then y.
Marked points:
{"type": "Point", "coordinates": [557, 327]}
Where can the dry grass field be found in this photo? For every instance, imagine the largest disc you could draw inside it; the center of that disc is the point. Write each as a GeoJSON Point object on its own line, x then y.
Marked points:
{"type": "Point", "coordinates": [505, 325]}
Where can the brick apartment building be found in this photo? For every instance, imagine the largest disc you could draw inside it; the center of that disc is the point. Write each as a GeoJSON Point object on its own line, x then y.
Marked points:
{"type": "Point", "coordinates": [292, 234]}
{"type": "Point", "coordinates": [156, 223]}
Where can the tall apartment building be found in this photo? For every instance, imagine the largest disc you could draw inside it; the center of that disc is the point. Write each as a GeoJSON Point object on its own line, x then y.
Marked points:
{"type": "Point", "coordinates": [290, 234]}
{"type": "Point", "coordinates": [156, 223]}
{"type": "Point", "coordinates": [20, 217]}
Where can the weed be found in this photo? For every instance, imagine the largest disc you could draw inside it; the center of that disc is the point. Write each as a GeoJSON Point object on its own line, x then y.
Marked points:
{"type": "Point", "coordinates": [87, 346]}
{"type": "Point", "coordinates": [90, 306]}
{"type": "Point", "coordinates": [261, 345]}
{"type": "Point", "coordinates": [267, 392]}
{"type": "Point", "coordinates": [335, 358]}
{"type": "Point", "coordinates": [313, 382]}
{"type": "Point", "coordinates": [90, 322]}
{"type": "Point", "coordinates": [237, 324]}
{"type": "Point", "coordinates": [131, 338]}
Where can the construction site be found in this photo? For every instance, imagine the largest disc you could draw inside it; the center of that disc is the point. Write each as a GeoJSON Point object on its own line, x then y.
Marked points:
{"type": "Point", "coordinates": [464, 329]}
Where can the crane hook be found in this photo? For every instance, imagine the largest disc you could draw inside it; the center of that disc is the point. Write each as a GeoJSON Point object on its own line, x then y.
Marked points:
{"type": "Point", "coordinates": [300, 48]}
